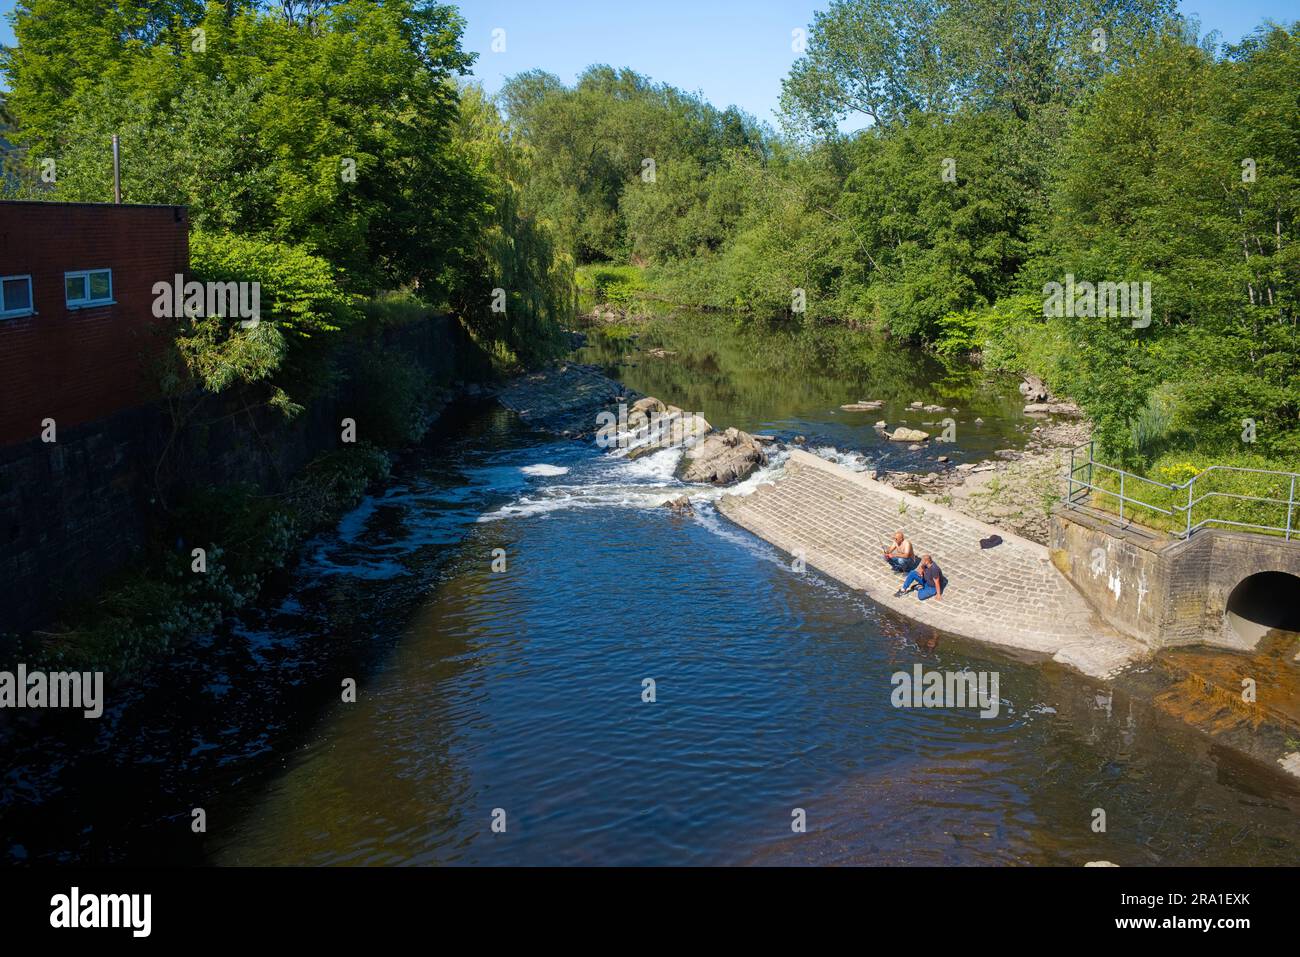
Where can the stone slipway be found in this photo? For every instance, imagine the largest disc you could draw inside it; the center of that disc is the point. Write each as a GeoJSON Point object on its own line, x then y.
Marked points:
{"type": "Point", "coordinates": [1009, 595]}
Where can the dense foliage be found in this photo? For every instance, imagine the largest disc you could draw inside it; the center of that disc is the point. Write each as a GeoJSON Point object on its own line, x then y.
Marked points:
{"type": "Point", "coordinates": [297, 292]}
{"type": "Point", "coordinates": [1166, 202]}
{"type": "Point", "coordinates": [334, 136]}
{"type": "Point", "coordinates": [1010, 146]}
{"type": "Point", "coordinates": [596, 144]}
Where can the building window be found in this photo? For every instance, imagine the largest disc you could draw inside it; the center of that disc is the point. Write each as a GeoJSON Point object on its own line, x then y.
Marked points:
{"type": "Point", "coordinates": [15, 296]}
{"type": "Point", "coordinates": [90, 287]}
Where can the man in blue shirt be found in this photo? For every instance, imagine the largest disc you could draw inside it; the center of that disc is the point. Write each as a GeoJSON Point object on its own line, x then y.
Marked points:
{"type": "Point", "coordinates": [929, 576]}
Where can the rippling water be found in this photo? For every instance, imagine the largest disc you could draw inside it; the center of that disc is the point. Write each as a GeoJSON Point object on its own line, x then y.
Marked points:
{"type": "Point", "coordinates": [521, 690]}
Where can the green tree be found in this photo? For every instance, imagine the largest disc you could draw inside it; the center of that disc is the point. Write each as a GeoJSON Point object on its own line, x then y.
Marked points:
{"type": "Point", "coordinates": [514, 251]}
{"type": "Point", "coordinates": [605, 138]}
{"type": "Point", "coordinates": [324, 125]}
{"type": "Point", "coordinates": [936, 216]}
{"type": "Point", "coordinates": [885, 59]}
{"type": "Point", "coordinates": [1169, 202]}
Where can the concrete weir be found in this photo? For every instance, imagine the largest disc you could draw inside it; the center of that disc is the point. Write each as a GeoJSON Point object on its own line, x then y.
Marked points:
{"type": "Point", "coordinates": [1009, 595]}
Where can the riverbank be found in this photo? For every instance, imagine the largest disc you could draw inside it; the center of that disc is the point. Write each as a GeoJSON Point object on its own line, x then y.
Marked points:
{"type": "Point", "coordinates": [134, 534]}
{"type": "Point", "coordinates": [770, 684]}
{"type": "Point", "coordinates": [1015, 490]}
{"type": "Point", "coordinates": [1009, 595]}
{"type": "Point", "coordinates": [1008, 491]}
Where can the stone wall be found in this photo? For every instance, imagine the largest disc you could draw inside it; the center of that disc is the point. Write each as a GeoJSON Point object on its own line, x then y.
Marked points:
{"type": "Point", "coordinates": [1163, 591]}
{"type": "Point", "coordinates": [76, 510]}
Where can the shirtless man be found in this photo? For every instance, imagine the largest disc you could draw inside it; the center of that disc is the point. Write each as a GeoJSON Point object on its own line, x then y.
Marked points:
{"type": "Point", "coordinates": [900, 555]}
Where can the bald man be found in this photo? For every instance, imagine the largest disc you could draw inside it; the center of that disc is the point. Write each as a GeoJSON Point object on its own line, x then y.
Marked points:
{"type": "Point", "coordinates": [901, 556]}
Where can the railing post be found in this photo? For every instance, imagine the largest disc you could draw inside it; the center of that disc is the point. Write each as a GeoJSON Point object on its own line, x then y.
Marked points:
{"type": "Point", "coordinates": [1069, 485]}
{"type": "Point", "coordinates": [1290, 504]}
{"type": "Point", "coordinates": [1121, 496]}
{"type": "Point", "coordinates": [1191, 484]}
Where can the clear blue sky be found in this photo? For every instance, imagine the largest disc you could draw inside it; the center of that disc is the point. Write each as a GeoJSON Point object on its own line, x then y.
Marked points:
{"type": "Point", "coordinates": [731, 51]}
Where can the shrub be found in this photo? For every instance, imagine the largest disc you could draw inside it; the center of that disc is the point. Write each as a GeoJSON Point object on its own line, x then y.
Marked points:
{"type": "Point", "coordinates": [394, 308]}
{"type": "Point", "coordinates": [1010, 334]}
{"type": "Point", "coordinates": [619, 285]}
{"type": "Point", "coordinates": [335, 482]}
{"type": "Point", "coordinates": [1173, 469]}
{"type": "Point", "coordinates": [300, 305]}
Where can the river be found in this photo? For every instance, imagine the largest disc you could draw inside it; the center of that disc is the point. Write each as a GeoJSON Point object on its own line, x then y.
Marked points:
{"type": "Point", "coordinates": [515, 694]}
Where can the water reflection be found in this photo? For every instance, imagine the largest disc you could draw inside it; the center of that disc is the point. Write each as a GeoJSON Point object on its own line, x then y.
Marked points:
{"type": "Point", "coordinates": [522, 690]}
{"type": "Point", "coordinates": [792, 381]}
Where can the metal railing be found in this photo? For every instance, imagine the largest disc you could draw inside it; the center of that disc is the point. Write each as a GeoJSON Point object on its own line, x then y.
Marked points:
{"type": "Point", "coordinates": [1182, 516]}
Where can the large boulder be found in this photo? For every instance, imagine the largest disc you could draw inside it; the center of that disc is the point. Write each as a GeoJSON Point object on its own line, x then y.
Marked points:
{"type": "Point", "coordinates": [722, 458]}
{"type": "Point", "coordinates": [1034, 389]}
{"type": "Point", "coordinates": [907, 435]}
{"type": "Point", "coordinates": [648, 404]}
{"type": "Point", "coordinates": [671, 429]}
{"type": "Point", "coordinates": [638, 417]}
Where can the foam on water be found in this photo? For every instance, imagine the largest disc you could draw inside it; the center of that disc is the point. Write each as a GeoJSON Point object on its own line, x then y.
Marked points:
{"type": "Point", "coordinates": [853, 461]}
{"type": "Point", "coordinates": [612, 480]}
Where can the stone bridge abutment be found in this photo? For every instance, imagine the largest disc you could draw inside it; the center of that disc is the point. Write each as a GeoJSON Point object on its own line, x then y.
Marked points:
{"type": "Point", "coordinates": [1218, 587]}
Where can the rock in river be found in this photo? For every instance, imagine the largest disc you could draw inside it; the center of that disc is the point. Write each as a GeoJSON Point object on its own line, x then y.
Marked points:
{"type": "Point", "coordinates": [668, 430]}
{"type": "Point", "coordinates": [638, 417]}
{"type": "Point", "coordinates": [908, 435]}
{"type": "Point", "coordinates": [722, 458]}
{"type": "Point", "coordinates": [1033, 389]}
{"type": "Point", "coordinates": [681, 505]}
{"type": "Point", "coordinates": [1054, 408]}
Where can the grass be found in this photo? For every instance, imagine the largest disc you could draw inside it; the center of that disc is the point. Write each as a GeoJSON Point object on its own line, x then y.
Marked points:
{"type": "Point", "coordinates": [1165, 498]}
{"type": "Point", "coordinates": [628, 287]}
{"type": "Point", "coordinates": [607, 282]}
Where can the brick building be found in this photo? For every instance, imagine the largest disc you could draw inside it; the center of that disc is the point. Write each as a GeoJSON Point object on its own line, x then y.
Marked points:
{"type": "Point", "coordinates": [76, 308]}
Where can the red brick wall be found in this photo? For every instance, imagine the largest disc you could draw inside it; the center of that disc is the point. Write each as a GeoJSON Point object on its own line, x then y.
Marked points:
{"type": "Point", "coordinates": [75, 366]}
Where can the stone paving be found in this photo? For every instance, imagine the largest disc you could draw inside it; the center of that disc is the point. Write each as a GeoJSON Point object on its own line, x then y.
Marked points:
{"type": "Point", "coordinates": [1009, 595]}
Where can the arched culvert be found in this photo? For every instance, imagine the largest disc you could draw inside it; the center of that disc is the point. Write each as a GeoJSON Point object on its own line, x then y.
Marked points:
{"type": "Point", "coordinates": [1261, 603]}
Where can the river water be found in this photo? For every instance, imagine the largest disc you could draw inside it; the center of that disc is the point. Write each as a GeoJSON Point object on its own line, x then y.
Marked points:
{"type": "Point", "coordinates": [515, 694]}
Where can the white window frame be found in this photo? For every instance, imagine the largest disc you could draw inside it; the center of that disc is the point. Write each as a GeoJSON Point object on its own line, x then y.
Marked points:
{"type": "Point", "coordinates": [28, 310]}
{"type": "Point", "coordinates": [84, 275]}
